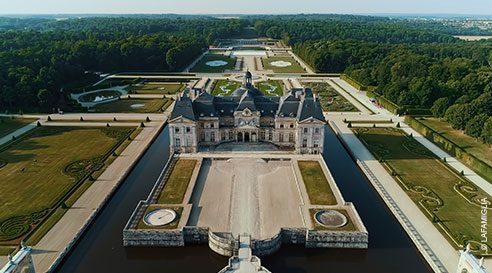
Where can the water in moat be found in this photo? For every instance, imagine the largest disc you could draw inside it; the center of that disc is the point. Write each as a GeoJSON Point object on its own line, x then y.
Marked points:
{"type": "Point", "coordinates": [100, 249]}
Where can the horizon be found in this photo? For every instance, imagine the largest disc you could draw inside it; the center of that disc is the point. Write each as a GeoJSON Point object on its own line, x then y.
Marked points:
{"type": "Point", "coordinates": [395, 14]}
{"type": "Point", "coordinates": [253, 7]}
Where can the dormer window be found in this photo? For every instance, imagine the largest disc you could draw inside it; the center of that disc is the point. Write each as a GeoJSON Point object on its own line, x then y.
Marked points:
{"type": "Point", "coordinates": [246, 112]}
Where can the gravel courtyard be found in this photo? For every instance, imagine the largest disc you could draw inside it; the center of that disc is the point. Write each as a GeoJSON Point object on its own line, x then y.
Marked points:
{"type": "Point", "coordinates": [246, 196]}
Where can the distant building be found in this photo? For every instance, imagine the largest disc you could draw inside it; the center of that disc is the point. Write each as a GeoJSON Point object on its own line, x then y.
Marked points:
{"type": "Point", "coordinates": [294, 120]}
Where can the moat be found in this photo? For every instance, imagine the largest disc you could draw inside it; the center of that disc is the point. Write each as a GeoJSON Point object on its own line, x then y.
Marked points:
{"type": "Point", "coordinates": [101, 249]}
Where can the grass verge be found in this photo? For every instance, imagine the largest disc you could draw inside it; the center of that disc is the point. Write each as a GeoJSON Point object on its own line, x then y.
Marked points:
{"type": "Point", "coordinates": [317, 187]}
{"type": "Point", "coordinates": [177, 182]}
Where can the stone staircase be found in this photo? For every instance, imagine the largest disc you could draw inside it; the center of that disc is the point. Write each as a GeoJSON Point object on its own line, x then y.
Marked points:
{"type": "Point", "coordinates": [244, 262]}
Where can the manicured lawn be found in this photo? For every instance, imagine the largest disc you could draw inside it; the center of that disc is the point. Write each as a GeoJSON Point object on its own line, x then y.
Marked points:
{"type": "Point", "coordinates": [224, 88]}
{"type": "Point", "coordinates": [41, 169]}
{"type": "Point", "coordinates": [201, 66]}
{"type": "Point", "coordinates": [348, 227]}
{"type": "Point", "coordinates": [271, 88]}
{"type": "Point", "coordinates": [317, 186]}
{"type": "Point", "coordinates": [173, 225]}
{"type": "Point", "coordinates": [125, 106]}
{"type": "Point", "coordinates": [293, 68]}
{"type": "Point", "coordinates": [177, 183]}
{"type": "Point", "coordinates": [329, 98]}
{"type": "Point", "coordinates": [469, 144]}
{"type": "Point", "coordinates": [157, 88]}
{"type": "Point", "coordinates": [448, 200]}
{"type": "Point", "coordinates": [9, 125]}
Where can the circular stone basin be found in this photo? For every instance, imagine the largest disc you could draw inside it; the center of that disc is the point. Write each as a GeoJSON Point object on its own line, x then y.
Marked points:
{"type": "Point", "coordinates": [137, 105]}
{"type": "Point", "coordinates": [216, 63]}
{"type": "Point", "coordinates": [330, 218]}
{"type": "Point", "coordinates": [281, 63]}
{"type": "Point", "coordinates": [160, 217]}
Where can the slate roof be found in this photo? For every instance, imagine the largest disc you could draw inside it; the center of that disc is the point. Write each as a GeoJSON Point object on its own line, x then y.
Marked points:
{"type": "Point", "coordinates": [183, 108]}
{"type": "Point", "coordinates": [299, 104]}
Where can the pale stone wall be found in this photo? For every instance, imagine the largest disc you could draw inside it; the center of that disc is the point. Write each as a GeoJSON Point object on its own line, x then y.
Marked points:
{"type": "Point", "coordinates": [311, 134]}
{"type": "Point", "coordinates": [223, 246]}
{"type": "Point", "coordinates": [184, 132]}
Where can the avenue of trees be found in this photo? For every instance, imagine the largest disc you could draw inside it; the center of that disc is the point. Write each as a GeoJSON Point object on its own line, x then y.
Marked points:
{"type": "Point", "coordinates": [35, 64]}
{"type": "Point", "coordinates": [413, 66]}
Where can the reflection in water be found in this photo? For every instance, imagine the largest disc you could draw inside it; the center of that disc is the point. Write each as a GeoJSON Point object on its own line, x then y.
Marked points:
{"type": "Point", "coordinates": [101, 248]}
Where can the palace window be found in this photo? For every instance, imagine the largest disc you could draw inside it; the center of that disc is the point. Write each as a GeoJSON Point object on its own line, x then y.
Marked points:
{"type": "Point", "coordinates": [306, 130]}
{"type": "Point", "coordinates": [223, 135]}
{"type": "Point", "coordinates": [291, 137]}
{"type": "Point", "coordinates": [304, 143]}
{"type": "Point", "coordinates": [188, 129]}
{"type": "Point", "coordinates": [178, 143]}
{"type": "Point", "coordinates": [176, 130]}
{"type": "Point", "coordinates": [281, 137]}
{"type": "Point", "coordinates": [316, 131]}
{"type": "Point", "coordinates": [281, 125]}
{"type": "Point", "coordinates": [212, 136]}
{"type": "Point", "coordinates": [202, 136]}
{"type": "Point", "coordinates": [292, 125]}
{"type": "Point", "coordinates": [231, 135]}
{"type": "Point", "coordinates": [316, 143]}
{"type": "Point", "coordinates": [270, 136]}
{"type": "Point", "coordinates": [262, 135]}
{"type": "Point", "coordinates": [212, 125]}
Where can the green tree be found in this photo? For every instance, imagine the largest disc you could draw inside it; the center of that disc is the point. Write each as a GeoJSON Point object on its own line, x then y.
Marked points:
{"type": "Point", "coordinates": [483, 104]}
{"type": "Point", "coordinates": [487, 131]}
{"type": "Point", "coordinates": [45, 98]}
{"type": "Point", "coordinates": [458, 115]}
{"type": "Point", "coordinates": [440, 106]}
{"type": "Point", "coordinates": [474, 127]}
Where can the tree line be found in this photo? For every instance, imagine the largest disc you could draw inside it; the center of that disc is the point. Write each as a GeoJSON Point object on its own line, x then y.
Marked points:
{"type": "Point", "coordinates": [411, 65]}
{"type": "Point", "coordinates": [36, 64]}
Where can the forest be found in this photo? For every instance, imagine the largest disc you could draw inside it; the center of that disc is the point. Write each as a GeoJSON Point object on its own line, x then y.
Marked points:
{"type": "Point", "coordinates": [46, 55]}
{"type": "Point", "coordinates": [412, 63]}
{"type": "Point", "coordinates": [413, 66]}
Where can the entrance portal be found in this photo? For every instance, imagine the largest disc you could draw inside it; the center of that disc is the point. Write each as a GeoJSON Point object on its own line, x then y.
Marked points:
{"type": "Point", "coordinates": [246, 137]}
{"type": "Point", "coordinates": [254, 138]}
{"type": "Point", "coordinates": [239, 136]}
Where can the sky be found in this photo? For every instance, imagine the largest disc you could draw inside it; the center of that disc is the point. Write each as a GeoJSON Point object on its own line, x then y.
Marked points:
{"type": "Point", "coordinates": [482, 7]}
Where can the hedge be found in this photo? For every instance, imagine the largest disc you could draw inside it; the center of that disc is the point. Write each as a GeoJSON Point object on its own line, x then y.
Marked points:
{"type": "Point", "coordinates": [418, 111]}
{"type": "Point", "coordinates": [477, 165]}
{"type": "Point", "coordinates": [353, 82]}
{"type": "Point", "coordinates": [392, 107]}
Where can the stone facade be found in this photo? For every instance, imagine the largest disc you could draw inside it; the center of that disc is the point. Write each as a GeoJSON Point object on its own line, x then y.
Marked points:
{"type": "Point", "coordinates": [294, 120]}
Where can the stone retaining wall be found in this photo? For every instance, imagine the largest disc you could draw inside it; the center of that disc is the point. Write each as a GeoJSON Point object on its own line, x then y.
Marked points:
{"type": "Point", "coordinates": [153, 237]}
{"type": "Point", "coordinates": [336, 239]}
{"type": "Point", "coordinates": [223, 246]}
{"type": "Point", "coordinates": [268, 246]}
